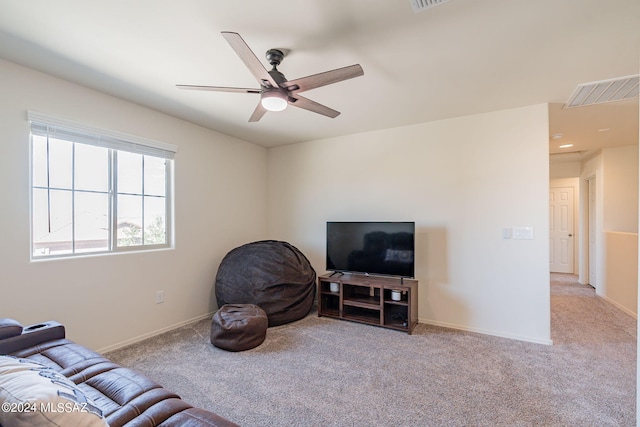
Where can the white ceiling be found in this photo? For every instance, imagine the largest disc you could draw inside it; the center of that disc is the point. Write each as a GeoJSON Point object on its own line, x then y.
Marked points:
{"type": "Point", "coordinates": [461, 57]}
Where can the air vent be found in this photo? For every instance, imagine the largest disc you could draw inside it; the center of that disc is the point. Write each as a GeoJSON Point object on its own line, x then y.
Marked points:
{"type": "Point", "coordinates": [604, 91]}
{"type": "Point", "coordinates": [422, 5]}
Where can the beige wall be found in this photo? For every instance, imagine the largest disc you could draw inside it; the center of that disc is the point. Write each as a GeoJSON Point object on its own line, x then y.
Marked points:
{"type": "Point", "coordinates": [559, 169]}
{"type": "Point", "coordinates": [620, 224]}
{"type": "Point", "coordinates": [638, 284]}
{"type": "Point", "coordinates": [616, 172]}
{"type": "Point", "coordinates": [220, 202]}
{"type": "Point", "coordinates": [621, 271]}
{"type": "Point", "coordinates": [620, 187]}
{"type": "Point", "coordinates": [462, 181]}
{"type": "Point", "coordinates": [616, 225]}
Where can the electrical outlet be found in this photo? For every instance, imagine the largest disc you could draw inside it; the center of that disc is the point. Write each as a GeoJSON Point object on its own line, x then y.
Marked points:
{"type": "Point", "coordinates": [159, 297]}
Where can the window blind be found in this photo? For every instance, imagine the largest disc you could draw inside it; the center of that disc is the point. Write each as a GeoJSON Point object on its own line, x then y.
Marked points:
{"type": "Point", "coordinates": [46, 125]}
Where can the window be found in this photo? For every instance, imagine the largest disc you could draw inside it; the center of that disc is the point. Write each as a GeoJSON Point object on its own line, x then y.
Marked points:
{"type": "Point", "coordinates": [96, 191]}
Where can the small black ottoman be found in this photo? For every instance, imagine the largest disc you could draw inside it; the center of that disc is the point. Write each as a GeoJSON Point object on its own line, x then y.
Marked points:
{"type": "Point", "coordinates": [238, 327]}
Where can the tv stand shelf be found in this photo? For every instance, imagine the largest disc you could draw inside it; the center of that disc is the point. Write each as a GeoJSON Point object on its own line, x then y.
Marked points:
{"type": "Point", "coordinates": [368, 299]}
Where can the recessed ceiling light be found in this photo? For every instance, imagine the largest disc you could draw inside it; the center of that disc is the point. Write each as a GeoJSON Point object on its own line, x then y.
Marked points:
{"type": "Point", "coordinates": [604, 130]}
{"type": "Point", "coordinates": [566, 146]}
{"type": "Point", "coordinates": [557, 136]}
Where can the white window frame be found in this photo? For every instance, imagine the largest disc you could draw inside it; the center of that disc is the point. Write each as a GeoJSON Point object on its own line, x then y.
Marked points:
{"type": "Point", "coordinates": [115, 141]}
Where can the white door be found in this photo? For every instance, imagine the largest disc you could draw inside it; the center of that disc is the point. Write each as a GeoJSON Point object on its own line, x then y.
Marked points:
{"type": "Point", "coordinates": [561, 229]}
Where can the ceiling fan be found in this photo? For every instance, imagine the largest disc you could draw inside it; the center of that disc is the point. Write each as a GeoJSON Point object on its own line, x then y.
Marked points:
{"type": "Point", "coordinates": [276, 92]}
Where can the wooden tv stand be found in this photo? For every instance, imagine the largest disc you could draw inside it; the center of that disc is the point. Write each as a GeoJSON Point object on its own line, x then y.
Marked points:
{"type": "Point", "coordinates": [368, 299]}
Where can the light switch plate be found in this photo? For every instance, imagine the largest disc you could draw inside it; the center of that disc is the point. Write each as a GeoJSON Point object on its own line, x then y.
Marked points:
{"type": "Point", "coordinates": [506, 233]}
{"type": "Point", "coordinates": [523, 233]}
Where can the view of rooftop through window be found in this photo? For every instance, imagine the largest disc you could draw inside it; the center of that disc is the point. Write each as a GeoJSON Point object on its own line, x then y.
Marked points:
{"type": "Point", "coordinates": [89, 198]}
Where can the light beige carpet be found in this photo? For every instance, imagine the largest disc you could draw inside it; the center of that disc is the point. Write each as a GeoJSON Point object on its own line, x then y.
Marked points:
{"type": "Point", "coordinates": [324, 372]}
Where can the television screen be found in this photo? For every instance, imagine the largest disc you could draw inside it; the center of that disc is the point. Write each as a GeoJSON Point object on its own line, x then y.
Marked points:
{"type": "Point", "coordinates": [383, 248]}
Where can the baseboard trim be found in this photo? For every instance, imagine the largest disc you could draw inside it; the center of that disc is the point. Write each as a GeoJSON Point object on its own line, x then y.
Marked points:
{"type": "Point", "coordinates": [143, 337]}
{"type": "Point", "coordinates": [486, 332]}
{"type": "Point", "coordinates": [618, 305]}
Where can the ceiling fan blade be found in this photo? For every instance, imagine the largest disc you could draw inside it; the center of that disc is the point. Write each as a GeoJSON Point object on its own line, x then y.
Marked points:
{"type": "Point", "coordinates": [249, 58]}
{"type": "Point", "coordinates": [220, 89]}
{"type": "Point", "coordinates": [258, 113]}
{"type": "Point", "coordinates": [322, 79]}
{"type": "Point", "coordinates": [307, 104]}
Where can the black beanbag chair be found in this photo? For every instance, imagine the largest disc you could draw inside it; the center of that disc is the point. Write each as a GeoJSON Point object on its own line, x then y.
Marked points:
{"type": "Point", "coordinates": [271, 274]}
{"type": "Point", "coordinates": [238, 327]}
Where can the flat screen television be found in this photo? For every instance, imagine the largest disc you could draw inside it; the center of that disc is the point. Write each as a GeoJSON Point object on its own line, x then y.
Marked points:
{"type": "Point", "coordinates": [379, 248]}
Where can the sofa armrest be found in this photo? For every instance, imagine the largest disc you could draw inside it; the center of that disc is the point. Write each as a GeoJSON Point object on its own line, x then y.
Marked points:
{"type": "Point", "coordinates": [9, 328]}
{"type": "Point", "coordinates": [31, 336]}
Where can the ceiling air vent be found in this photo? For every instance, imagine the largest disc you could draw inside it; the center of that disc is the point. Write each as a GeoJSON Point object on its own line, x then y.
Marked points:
{"type": "Point", "coordinates": [421, 5]}
{"type": "Point", "coordinates": [603, 91]}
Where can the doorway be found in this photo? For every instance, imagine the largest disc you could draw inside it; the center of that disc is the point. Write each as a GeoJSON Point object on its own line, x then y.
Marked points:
{"type": "Point", "coordinates": [562, 228]}
{"type": "Point", "coordinates": [591, 231]}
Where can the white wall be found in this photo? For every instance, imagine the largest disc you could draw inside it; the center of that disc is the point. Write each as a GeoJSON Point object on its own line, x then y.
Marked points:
{"type": "Point", "coordinates": [461, 180]}
{"type": "Point", "coordinates": [220, 202]}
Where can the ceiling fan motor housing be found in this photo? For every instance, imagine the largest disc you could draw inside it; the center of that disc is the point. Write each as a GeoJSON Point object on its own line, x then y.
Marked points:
{"type": "Point", "coordinates": [275, 56]}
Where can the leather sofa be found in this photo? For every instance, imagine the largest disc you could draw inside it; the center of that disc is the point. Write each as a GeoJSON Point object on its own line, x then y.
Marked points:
{"type": "Point", "coordinates": [123, 396]}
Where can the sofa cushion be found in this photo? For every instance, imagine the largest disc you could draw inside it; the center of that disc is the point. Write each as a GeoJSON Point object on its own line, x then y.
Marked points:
{"type": "Point", "coordinates": [196, 417]}
{"type": "Point", "coordinates": [32, 394]}
{"type": "Point", "coordinates": [125, 397]}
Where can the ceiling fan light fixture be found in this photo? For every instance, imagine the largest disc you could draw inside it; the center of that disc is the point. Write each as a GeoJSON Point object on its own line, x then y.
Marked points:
{"type": "Point", "coordinates": [273, 100]}
{"type": "Point", "coordinates": [276, 92]}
